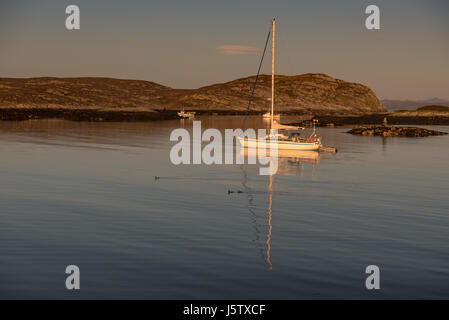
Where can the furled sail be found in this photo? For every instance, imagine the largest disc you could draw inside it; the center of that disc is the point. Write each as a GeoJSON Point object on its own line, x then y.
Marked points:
{"type": "Point", "coordinates": [277, 125]}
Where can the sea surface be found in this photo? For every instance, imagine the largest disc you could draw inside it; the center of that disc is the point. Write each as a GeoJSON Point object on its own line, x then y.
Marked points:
{"type": "Point", "coordinates": [85, 194]}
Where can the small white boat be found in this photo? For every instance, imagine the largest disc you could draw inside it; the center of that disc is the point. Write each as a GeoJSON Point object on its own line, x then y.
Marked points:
{"type": "Point", "coordinates": [186, 115]}
{"type": "Point", "coordinates": [288, 137]}
{"type": "Point", "coordinates": [267, 115]}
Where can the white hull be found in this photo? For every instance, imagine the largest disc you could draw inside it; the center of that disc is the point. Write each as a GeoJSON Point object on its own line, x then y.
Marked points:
{"type": "Point", "coordinates": [281, 145]}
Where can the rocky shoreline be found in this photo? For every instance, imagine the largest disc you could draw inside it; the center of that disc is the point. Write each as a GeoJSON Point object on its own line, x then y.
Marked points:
{"type": "Point", "coordinates": [376, 119]}
{"type": "Point", "coordinates": [94, 115]}
{"type": "Point", "coordinates": [21, 114]}
{"type": "Point", "coordinates": [392, 131]}
{"type": "Point", "coordinates": [132, 114]}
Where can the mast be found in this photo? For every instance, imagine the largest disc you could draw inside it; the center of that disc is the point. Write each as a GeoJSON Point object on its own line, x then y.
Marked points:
{"type": "Point", "coordinates": [272, 73]}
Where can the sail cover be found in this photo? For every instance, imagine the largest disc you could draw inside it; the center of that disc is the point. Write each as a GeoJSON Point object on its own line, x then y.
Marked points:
{"type": "Point", "coordinates": [277, 125]}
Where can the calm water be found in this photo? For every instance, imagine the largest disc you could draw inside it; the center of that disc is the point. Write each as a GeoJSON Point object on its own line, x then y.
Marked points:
{"type": "Point", "coordinates": [85, 194]}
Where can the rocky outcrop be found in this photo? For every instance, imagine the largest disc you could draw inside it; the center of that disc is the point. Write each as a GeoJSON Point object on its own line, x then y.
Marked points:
{"type": "Point", "coordinates": [391, 131]}
{"type": "Point", "coordinates": [78, 93]}
{"type": "Point", "coordinates": [317, 93]}
{"type": "Point", "coordinates": [394, 118]}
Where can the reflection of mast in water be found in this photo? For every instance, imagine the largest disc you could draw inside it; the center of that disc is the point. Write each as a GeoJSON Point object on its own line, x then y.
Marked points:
{"type": "Point", "coordinates": [252, 212]}
{"type": "Point", "coordinates": [384, 144]}
{"type": "Point", "coordinates": [287, 162]}
{"type": "Point", "coordinates": [270, 202]}
{"type": "Point", "coordinates": [264, 252]}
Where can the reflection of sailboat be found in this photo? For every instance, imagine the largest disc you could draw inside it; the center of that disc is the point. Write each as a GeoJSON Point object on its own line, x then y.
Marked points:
{"type": "Point", "coordinates": [252, 208]}
{"type": "Point", "coordinates": [288, 160]}
{"type": "Point", "coordinates": [313, 156]}
{"type": "Point", "coordinates": [266, 249]}
{"type": "Point", "coordinates": [288, 137]}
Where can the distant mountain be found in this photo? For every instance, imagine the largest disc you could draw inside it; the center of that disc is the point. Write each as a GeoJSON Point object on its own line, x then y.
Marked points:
{"type": "Point", "coordinates": [412, 104]}
{"type": "Point", "coordinates": [433, 108]}
{"type": "Point", "coordinates": [317, 93]}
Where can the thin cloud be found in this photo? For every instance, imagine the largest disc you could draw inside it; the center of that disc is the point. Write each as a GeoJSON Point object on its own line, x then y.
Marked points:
{"type": "Point", "coordinates": [228, 49]}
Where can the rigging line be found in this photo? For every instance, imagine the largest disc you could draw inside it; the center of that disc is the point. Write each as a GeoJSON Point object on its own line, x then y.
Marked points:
{"type": "Point", "coordinates": [255, 82]}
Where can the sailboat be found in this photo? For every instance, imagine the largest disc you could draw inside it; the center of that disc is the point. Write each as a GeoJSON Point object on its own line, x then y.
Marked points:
{"type": "Point", "coordinates": [288, 137]}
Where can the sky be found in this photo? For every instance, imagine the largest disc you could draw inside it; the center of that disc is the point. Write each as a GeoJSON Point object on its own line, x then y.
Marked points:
{"type": "Point", "coordinates": [190, 43]}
